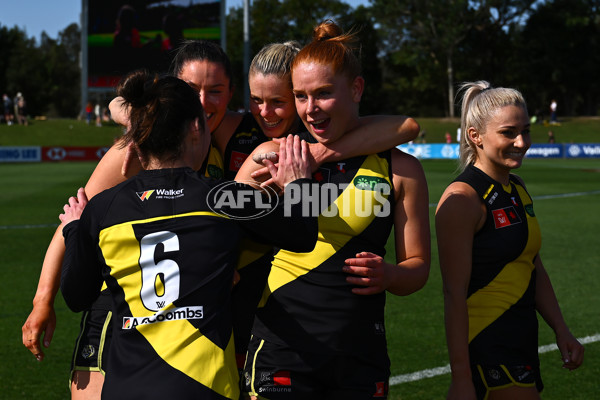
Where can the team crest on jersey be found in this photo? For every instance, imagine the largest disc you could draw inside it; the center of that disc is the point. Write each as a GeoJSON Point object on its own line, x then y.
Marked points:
{"type": "Point", "coordinates": [145, 195]}
{"type": "Point", "coordinates": [174, 314]}
{"type": "Point", "coordinates": [237, 159]}
{"type": "Point", "coordinates": [504, 217]}
{"type": "Point", "coordinates": [88, 351]}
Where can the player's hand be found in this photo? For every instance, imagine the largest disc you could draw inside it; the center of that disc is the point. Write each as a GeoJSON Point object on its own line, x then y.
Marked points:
{"type": "Point", "coordinates": [368, 270]}
{"type": "Point", "coordinates": [73, 210]}
{"type": "Point", "coordinates": [293, 162]}
{"type": "Point", "coordinates": [41, 320]}
{"type": "Point", "coordinates": [570, 349]}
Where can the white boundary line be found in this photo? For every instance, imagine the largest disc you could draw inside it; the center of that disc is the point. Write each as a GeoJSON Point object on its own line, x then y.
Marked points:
{"type": "Point", "coordinates": [430, 373]}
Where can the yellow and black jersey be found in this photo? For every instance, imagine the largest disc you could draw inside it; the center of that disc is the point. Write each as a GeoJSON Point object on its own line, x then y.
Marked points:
{"type": "Point", "coordinates": [245, 139]}
{"type": "Point", "coordinates": [503, 327]}
{"type": "Point", "coordinates": [307, 303]}
{"type": "Point", "coordinates": [213, 164]}
{"type": "Point", "coordinates": [167, 255]}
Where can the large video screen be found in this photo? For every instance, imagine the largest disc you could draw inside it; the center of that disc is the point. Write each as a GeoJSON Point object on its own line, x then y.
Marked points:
{"type": "Point", "coordinates": [128, 35]}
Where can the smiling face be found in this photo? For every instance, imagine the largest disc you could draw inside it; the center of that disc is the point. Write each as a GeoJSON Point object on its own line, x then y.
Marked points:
{"type": "Point", "coordinates": [505, 141]}
{"type": "Point", "coordinates": [272, 104]}
{"type": "Point", "coordinates": [327, 103]}
{"type": "Point", "coordinates": [213, 86]}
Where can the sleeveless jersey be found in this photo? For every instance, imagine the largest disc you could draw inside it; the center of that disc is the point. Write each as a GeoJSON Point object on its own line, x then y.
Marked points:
{"type": "Point", "coordinates": [213, 164]}
{"type": "Point", "coordinates": [307, 303]}
{"type": "Point", "coordinates": [168, 261]}
{"type": "Point", "coordinates": [244, 140]}
{"type": "Point", "coordinates": [503, 327]}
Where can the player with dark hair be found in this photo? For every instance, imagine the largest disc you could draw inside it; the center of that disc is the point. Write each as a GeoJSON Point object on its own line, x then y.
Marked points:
{"type": "Point", "coordinates": [167, 251]}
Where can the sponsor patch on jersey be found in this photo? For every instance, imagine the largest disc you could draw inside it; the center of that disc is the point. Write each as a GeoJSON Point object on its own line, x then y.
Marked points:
{"type": "Point", "coordinates": [504, 217]}
{"type": "Point", "coordinates": [529, 210]}
{"type": "Point", "coordinates": [237, 159]}
{"type": "Point", "coordinates": [145, 195]}
{"type": "Point", "coordinates": [322, 175]}
{"type": "Point", "coordinates": [160, 194]}
{"type": "Point", "coordinates": [381, 389]}
{"type": "Point", "coordinates": [174, 314]}
{"type": "Point", "coordinates": [278, 382]}
{"type": "Point", "coordinates": [282, 378]}
{"type": "Point", "coordinates": [363, 182]}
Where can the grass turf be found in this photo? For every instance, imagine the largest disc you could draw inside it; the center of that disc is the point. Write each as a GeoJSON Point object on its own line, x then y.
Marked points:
{"type": "Point", "coordinates": [33, 195]}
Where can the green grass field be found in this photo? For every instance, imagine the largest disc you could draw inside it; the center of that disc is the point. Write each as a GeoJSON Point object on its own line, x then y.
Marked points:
{"type": "Point", "coordinates": [566, 197]}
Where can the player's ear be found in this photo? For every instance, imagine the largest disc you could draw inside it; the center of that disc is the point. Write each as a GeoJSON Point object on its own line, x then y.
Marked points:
{"type": "Point", "coordinates": [474, 136]}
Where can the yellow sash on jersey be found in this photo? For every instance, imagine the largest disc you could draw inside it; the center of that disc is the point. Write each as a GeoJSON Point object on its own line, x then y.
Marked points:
{"type": "Point", "coordinates": [217, 368]}
{"type": "Point", "coordinates": [488, 303]}
{"type": "Point", "coordinates": [334, 231]}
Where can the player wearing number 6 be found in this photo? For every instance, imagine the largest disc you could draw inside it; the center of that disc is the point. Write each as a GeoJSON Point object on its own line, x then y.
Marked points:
{"type": "Point", "coordinates": [168, 253]}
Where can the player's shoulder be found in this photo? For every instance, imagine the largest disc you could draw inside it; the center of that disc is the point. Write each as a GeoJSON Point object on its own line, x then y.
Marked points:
{"type": "Point", "coordinates": [404, 163]}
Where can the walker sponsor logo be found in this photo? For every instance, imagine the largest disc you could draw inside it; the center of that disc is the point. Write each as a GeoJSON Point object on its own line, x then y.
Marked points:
{"type": "Point", "coordinates": [20, 154]}
{"type": "Point", "coordinates": [505, 217]}
{"type": "Point", "coordinates": [582, 150]}
{"type": "Point", "coordinates": [175, 314]}
{"type": "Point", "coordinates": [545, 151]}
{"type": "Point", "coordinates": [160, 194]}
{"type": "Point", "coordinates": [241, 202]}
{"type": "Point", "coordinates": [145, 195]}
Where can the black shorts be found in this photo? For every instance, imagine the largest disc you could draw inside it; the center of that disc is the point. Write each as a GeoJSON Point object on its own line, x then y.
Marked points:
{"type": "Point", "coordinates": [493, 377]}
{"type": "Point", "coordinates": [92, 344]}
{"type": "Point", "coordinates": [278, 372]}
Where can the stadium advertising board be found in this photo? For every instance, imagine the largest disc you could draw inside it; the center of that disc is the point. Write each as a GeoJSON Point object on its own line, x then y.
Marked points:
{"type": "Point", "coordinates": [581, 150]}
{"type": "Point", "coordinates": [126, 35]}
{"type": "Point", "coordinates": [450, 151]}
{"type": "Point", "coordinates": [545, 151]}
{"type": "Point", "coordinates": [434, 150]}
{"type": "Point", "coordinates": [20, 154]}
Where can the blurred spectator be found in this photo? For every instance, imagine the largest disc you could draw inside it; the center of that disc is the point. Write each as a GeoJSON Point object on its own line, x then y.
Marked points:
{"type": "Point", "coordinates": [551, 138]}
{"type": "Point", "coordinates": [448, 137]}
{"type": "Point", "coordinates": [553, 107]}
{"type": "Point", "coordinates": [8, 113]}
{"type": "Point", "coordinates": [97, 113]}
{"type": "Point", "coordinates": [21, 109]}
{"type": "Point", "coordinates": [88, 112]}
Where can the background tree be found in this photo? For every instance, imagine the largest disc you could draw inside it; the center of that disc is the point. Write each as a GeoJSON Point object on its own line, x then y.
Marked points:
{"type": "Point", "coordinates": [421, 32]}
{"type": "Point", "coordinates": [559, 57]}
{"type": "Point", "coordinates": [414, 53]}
{"type": "Point", "coordinates": [275, 21]}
